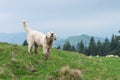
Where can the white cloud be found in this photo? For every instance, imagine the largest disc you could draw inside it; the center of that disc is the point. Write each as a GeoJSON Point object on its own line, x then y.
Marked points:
{"type": "Point", "coordinates": [94, 20]}
{"type": "Point", "coordinates": [75, 16]}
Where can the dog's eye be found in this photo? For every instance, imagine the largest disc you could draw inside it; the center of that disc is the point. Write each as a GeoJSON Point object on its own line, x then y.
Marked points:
{"type": "Point", "coordinates": [52, 34]}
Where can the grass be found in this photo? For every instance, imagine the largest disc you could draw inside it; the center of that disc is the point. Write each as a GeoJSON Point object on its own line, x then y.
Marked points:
{"type": "Point", "coordinates": [17, 64]}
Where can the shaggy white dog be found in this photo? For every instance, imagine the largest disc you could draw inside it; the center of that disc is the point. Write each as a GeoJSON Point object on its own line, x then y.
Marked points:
{"type": "Point", "coordinates": [38, 39]}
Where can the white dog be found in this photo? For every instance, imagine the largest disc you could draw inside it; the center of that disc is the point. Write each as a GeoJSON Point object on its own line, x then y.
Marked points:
{"type": "Point", "coordinates": [38, 39]}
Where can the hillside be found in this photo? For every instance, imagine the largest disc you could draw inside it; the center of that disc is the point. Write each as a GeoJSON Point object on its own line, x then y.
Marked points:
{"type": "Point", "coordinates": [17, 64]}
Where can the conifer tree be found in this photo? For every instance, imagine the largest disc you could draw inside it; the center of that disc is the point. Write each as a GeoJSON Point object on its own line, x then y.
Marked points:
{"type": "Point", "coordinates": [86, 52]}
{"type": "Point", "coordinates": [59, 47]}
{"type": "Point", "coordinates": [99, 48]}
{"type": "Point", "coordinates": [106, 47]}
{"type": "Point", "coordinates": [73, 48]}
{"type": "Point", "coordinates": [25, 43]}
{"type": "Point", "coordinates": [92, 47]}
{"type": "Point", "coordinates": [67, 46]}
{"type": "Point", "coordinates": [113, 43]}
{"type": "Point", "coordinates": [80, 47]}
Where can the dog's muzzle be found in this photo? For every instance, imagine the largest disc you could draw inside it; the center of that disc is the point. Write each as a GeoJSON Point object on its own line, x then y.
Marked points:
{"type": "Point", "coordinates": [51, 35]}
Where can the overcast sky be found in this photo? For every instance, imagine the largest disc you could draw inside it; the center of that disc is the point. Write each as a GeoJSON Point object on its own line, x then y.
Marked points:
{"type": "Point", "coordinates": [65, 17]}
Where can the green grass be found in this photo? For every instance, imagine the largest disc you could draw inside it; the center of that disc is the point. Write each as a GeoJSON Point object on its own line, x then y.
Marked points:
{"type": "Point", "coordinates": [16, 63]}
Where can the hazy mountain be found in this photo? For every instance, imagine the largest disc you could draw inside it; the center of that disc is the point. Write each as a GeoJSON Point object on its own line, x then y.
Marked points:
{"type": "Point", "coordinates": [15, 38]}
{"type": "Point", "coordinates": [18, 38]}
{"type": "Point", "coordinates": [84, 38]}
{"type": "Point", "coordinates": [58, 42]}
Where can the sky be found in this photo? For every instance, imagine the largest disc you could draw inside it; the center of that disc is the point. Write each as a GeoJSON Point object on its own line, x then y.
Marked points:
{"type": "Point", "coordinates": [64, 17]}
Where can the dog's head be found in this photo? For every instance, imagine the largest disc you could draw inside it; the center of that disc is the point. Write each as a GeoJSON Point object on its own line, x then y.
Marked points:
{"type": "Point", "coordinates": [51, 36]}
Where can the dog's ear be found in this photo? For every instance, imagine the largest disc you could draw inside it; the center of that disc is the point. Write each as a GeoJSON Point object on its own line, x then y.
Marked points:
{"type": "Point", "coordinates": [47, 35]}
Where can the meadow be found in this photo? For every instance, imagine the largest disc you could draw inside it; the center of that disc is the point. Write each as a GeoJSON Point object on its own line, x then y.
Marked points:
{"type": "Point", "coordinates": [17, 64]}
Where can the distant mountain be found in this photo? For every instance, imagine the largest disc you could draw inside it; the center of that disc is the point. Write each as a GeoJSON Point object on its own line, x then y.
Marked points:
{"type": "Point", "coordinates": [84, 38]}
{"type": "Point", "coordinates": [75, 39]}
{"type": "Point", "coordinates": [18, 38]}
{"type": "Point", "coordinates": [15, 38]}
{"type": "Point", "coordinates": [58, 42]}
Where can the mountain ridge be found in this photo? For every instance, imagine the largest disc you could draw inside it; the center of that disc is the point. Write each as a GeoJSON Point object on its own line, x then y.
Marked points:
{"type": "Point", "coordinates": [14, 38]}
{"type": "Point", "coordinates": [18, 38]}
{"type": "Point", "coordinates": [84, 38]}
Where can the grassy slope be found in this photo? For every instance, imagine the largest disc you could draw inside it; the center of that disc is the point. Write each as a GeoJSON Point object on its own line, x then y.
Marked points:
{"type": "Point", "coordinates": [16, 63]}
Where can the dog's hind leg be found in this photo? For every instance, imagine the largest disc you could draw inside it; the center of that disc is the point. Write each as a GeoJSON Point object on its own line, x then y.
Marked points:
{"type": "Point", "coordinates": [36, 47]}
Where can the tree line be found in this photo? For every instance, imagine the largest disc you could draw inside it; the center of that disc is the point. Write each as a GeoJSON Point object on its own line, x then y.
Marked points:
{"type": "Point", "coordinates": [108, 47]}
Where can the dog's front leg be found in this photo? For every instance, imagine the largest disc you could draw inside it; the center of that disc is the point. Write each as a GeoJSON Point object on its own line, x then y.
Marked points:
{"type": "Point", "coordinates": [46, 56]}
{"type": "Point", "coordinates": [47, 53]}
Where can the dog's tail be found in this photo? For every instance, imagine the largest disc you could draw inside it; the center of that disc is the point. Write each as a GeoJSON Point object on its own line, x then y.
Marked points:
{"type": "Point", "coordinates": [27, 29]}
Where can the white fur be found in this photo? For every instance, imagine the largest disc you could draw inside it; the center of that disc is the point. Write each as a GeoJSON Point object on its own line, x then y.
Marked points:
{"type": "Point", "coordinates": [38, 39]}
